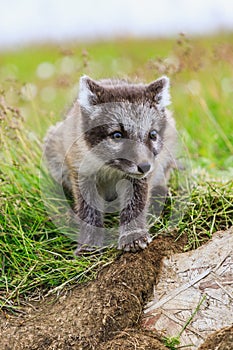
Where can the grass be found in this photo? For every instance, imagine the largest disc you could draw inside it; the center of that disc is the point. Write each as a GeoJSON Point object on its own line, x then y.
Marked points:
{"type": "Point", "coordinates": [37, 85]}
{"type": "Point", "coordinates": [171, 342]}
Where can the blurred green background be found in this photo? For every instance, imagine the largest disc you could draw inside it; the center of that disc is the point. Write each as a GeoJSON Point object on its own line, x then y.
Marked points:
{"type": "Point", "coordinates": [43, 81]}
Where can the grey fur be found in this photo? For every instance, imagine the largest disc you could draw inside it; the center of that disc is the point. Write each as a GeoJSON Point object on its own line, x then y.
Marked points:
{"type": "Point", "coordinates": [84, 157]}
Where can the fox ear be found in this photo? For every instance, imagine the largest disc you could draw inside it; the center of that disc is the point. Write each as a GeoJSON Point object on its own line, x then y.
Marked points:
{"type": "Point", "coordinates": [89, 91]}
{"type": "Point", "coordinates": [158, 90]}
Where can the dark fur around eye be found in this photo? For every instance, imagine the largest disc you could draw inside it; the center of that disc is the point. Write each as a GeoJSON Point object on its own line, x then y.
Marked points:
{"type": "Point", "coordinates": [97, 134]}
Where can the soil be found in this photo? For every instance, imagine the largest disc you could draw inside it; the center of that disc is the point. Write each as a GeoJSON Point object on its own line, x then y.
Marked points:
{"type": "Point", "coordinates": [102, 314]}
{"type": "Point", "coordinates": [220, 340]}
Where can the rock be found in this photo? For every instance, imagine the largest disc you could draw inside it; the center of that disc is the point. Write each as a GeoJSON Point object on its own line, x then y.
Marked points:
{"type": "Point", "coordinates": [194, 292]}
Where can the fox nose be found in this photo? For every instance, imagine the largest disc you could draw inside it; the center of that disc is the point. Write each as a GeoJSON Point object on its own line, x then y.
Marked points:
{"type": "Point", "coordinates": [143, 167]}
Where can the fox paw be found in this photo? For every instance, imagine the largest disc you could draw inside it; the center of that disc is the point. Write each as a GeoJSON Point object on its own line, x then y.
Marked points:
{"type": "Point", "coordinates": [134, 241]}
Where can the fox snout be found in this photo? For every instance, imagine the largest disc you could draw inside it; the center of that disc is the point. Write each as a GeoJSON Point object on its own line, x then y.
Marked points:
{"type": "Point", "coordinates": [144, 167]}
{"type": "Point", "coordinates": [131, 168]}
{"type": "Point", "coordinates": [132, 158]}
{"type": "Point", "coordinates": [141, 169]}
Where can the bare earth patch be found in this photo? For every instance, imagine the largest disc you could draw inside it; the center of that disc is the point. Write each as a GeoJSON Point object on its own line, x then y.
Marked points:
{"type": "Point", "coordinates": [103, 314]}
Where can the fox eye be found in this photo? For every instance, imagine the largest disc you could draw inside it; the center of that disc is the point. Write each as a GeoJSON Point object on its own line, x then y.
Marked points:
{"type": "Point", "coordinates": [153, 135]}
{"type": "Point", "coordinates": [116, 135]}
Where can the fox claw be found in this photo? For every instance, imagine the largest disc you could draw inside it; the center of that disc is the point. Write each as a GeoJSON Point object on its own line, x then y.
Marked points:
{"type": "Point", "coordinates": [130, 243]}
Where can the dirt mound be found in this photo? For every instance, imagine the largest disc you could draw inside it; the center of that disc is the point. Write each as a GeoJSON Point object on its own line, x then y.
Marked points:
{"type": "Point", "coordinates": [93, 314]}
{"type": "Point", "coordinates": [103, 314]}
{"type": "Point", "coordinates": [220, 340]}
{"type": "Point", "coordinates": [134, 339]}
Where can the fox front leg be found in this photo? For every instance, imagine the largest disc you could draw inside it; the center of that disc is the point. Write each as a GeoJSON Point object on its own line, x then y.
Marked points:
{"type": "Point", "coordinates": [134, 234]}
{"type": "Point", "coordinates": [91, 234]}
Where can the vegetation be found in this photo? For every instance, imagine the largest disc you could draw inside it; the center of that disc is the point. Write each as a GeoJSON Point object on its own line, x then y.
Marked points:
{"type": "Point", "coordinates": [37, 85]}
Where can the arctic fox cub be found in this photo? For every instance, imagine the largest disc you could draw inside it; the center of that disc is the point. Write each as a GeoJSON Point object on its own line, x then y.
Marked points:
{"type": "Point", "coordinates": [115, 146]}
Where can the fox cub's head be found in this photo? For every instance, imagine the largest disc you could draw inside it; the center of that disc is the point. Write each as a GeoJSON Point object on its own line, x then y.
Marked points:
{"type": "Point", "coordinates": [124, 123]}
